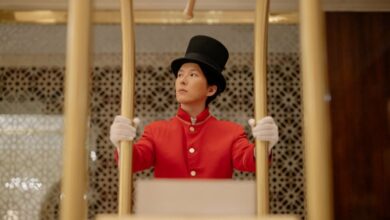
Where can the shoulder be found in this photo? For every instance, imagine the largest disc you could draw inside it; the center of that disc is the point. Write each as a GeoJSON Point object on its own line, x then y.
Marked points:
{"type": "Point", "coordinates": [229, 125]}
{"type": "Point", "coordinates": [160, 124]}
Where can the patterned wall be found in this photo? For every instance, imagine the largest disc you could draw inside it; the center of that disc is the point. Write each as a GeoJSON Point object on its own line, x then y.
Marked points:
{"type": "Point", "coordinates": [31, 102]}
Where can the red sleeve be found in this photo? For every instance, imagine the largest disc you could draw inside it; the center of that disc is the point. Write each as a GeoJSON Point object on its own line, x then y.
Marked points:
{"type": "Point", "coordinates": [242, 153]}
{"type": "Point", "coordinates": [143, 152]}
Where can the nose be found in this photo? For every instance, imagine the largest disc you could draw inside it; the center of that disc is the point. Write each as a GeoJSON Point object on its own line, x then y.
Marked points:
{"type": "Point", "coordinates": [182, 80]}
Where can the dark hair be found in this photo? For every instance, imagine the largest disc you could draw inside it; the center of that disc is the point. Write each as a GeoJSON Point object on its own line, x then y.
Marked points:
{"type": "Point", "coordinates": [211, 81]}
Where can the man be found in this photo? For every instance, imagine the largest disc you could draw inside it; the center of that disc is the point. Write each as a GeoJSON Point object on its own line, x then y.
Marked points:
{"type": "Point", "coordinates": [194, 144]}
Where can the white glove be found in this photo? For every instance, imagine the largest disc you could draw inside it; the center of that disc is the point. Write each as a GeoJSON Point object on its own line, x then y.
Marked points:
{"type": "Point", "coordinates": [265, 130]}
{"type": "Point", "coordinates": [122, 130]}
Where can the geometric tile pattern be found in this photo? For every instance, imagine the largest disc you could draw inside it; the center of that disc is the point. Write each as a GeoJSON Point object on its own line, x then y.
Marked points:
{"type": "Point", "coordinates": [30, 149]}
{"type": "Point", "coordinates": [31, 106]}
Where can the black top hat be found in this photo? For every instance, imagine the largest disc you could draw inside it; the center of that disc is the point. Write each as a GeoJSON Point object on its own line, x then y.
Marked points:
{"type": "Point", "coordinates": [210, 54]}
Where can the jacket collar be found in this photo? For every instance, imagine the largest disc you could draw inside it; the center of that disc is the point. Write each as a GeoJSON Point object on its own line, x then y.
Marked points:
{"type": "Point", "coordinates": [183, 115]}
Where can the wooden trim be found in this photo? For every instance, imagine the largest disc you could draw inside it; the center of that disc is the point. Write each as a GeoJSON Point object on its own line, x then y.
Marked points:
{"type": "Point", "coordinates": [146, 17]}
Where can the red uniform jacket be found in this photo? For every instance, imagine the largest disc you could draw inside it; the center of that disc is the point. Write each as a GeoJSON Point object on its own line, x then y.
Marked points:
{"type": "Point", "coordinates": [205, 148]}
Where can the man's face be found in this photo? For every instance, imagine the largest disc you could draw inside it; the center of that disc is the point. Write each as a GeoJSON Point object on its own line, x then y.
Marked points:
{"type": "Point", "coordinates": [191, 85]}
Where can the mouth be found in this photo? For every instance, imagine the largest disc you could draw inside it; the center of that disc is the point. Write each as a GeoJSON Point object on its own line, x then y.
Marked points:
{"type": "Point", "coordinates": [181, 91]}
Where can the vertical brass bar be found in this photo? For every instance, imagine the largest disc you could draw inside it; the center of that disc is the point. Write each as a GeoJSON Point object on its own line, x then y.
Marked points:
{"type": "Point", "coordinates": [260, 85]}
{"type": "Point", "coordinates": [75, 171]}
{"type": "Point", "coordinates": [127, 105]}
{"type": "Point", "coordinates": [316, 112]}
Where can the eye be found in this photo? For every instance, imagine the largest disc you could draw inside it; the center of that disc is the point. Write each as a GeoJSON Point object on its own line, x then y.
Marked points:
{"type": "Point", "coordinates": [194, 74]}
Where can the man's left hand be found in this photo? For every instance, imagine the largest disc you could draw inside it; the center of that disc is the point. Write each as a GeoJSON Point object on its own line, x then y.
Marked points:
{"type": "Point", "coordinates": [265, 130]}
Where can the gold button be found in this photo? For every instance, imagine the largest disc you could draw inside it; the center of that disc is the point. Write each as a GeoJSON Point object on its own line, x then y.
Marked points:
{"type": "Point", "coordinates": [192, 129]}
{"type": "Point", "coordinates": [191, 150]}
{"type": "Point", "coordinates": [193, 173]}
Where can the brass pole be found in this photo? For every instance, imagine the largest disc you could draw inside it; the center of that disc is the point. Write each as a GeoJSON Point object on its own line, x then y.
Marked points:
{"type": "Point", "coordinates": [316, 112]}
{"type": "Point", "coordinates": [260, 84]}
{"type": "Point", "coordinates": [128, 67]}
{"type": "Point", "coordinates": [189, 9]}
{"type": "Point", "coordinates": [74, 181]}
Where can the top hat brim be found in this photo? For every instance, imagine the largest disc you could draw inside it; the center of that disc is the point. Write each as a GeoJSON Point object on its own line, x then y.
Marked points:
{"type": "Point", "coordinates": [211, 72]}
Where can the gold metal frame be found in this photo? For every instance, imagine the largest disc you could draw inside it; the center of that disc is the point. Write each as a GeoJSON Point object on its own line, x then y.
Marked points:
{"type": "Point", "coordinates": [146, 17]}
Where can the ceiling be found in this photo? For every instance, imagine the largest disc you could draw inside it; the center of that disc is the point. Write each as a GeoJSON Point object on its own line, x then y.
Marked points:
{"type": "Point", "coordinates": [275, 5]}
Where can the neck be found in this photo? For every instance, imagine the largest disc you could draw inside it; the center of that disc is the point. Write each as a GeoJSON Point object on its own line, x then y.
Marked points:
{"type": "Point", "coordinates": [193, 110]}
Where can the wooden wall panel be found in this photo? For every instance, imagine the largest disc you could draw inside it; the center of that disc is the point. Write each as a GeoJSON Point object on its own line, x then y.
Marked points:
{"type": "Point", "coordinates": [359, 78]}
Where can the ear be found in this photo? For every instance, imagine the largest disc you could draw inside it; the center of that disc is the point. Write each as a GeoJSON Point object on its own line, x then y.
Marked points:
{"type": "Point", "coordinates": [211, 90]}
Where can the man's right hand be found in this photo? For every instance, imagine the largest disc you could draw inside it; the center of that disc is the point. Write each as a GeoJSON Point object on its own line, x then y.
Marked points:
{"type": "Point", "coordinates": [122, 130]}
